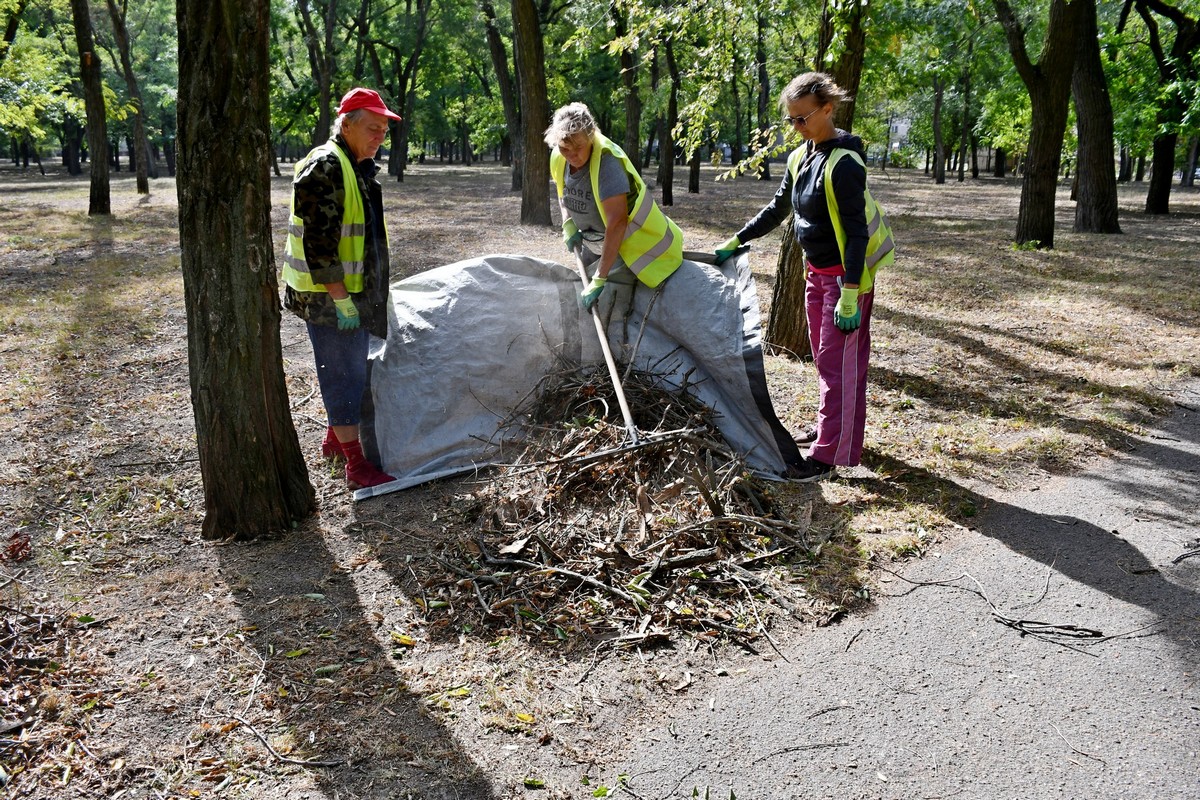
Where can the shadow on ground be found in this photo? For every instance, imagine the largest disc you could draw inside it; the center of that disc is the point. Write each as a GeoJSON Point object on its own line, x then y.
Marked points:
{"type": "Point", "coordinates": [344, 700]}
{"type": "Point", "coordinates": [1157, 483]}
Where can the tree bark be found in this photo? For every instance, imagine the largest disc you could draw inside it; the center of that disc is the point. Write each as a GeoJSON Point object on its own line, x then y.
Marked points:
{"type": "Point", "coordinates": [140, 155]}
{"type": "Point", "coordinates": [508, 94]}
{"type": "Point", "coordinates": [787, 327]}
{"type": "Point", "coordinates": [99, 200]}
{"type": "Point", "coordinates": [255, 478]}
{"type": "Point", "coordinates": [1096, 203]}
{"type": "Point", "coordinates": [847, 72]}
{"type": "Point", "coordinates": [1172, 66]}
{"type": "Point", "coordinates": [633, 101]}
{"type": "Point", "coordinates": [965, 137]}
{"type": "Point", "coordinates": [1049, 86]}
{"type": "Point", "coordinates": [321, 60]}
{"type": "Point", "coordinates": [11, 25]}
{"type": "Point", "coordinates": [764, 86]}
{"type": "Point", "coordinates": [939, 139]}
{"type": "Point", "coordinates": [529, 52]}
{"type": "Point", "coordinates": [666, 132]}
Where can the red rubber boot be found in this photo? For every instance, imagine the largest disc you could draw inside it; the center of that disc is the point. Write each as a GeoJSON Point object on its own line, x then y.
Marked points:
{"type": "Point", "coordinates": [331, 448]}
{"type": "Point", "coordinates": [361, 473]}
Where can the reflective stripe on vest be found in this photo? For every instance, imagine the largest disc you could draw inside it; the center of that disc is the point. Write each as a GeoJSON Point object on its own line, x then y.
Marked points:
{"type": "Point", "coordinates": [881, 248]}
{"type": "Point", "coordinates": [653, 244]}
{"type": "Point", "coordinates": [352, 241]}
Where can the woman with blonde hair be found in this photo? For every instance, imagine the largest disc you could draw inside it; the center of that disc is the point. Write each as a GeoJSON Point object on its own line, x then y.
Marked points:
{"type": "Point", "coordinates": [604, 199]}
{"type": "Point", "coordinates": [845, 239]}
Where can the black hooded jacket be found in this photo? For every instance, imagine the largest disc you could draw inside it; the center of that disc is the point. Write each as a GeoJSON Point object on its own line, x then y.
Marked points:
{"type": "Point", "coordinates": [814, 229]}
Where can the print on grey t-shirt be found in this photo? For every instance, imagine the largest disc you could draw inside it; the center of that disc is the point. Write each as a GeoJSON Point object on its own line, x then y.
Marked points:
{"type": "Point", "coordinates": [577, 192]}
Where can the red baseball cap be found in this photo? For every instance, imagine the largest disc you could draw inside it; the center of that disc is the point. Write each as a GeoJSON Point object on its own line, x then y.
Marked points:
{"type": "Point", "coordinates": [365, 98]}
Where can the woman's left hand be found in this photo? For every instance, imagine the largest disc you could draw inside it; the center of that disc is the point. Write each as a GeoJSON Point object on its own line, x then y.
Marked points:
{"type": "Point", "coordinates": [846, 314]}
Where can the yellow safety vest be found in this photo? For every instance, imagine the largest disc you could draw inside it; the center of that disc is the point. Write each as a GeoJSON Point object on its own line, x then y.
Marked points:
{"type": "Point", "coordinates": [351, 245]}
{"type": "Point", "coordinates": [653, 244]}
{"type": "Point", "coordinates": [881, 248]}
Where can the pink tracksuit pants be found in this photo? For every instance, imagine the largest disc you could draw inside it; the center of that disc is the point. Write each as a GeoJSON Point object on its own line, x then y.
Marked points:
{"type": "Point", "coordinates": [841, 361]}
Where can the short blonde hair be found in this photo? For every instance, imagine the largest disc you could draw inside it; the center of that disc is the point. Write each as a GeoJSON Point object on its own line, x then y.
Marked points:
{"type": "Point", "coordinates": [569, 120]}
{"type": "Point", "coordinates": [818, 84]}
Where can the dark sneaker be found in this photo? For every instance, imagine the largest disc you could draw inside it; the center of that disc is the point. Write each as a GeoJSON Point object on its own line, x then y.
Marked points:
{"type": "Point", "coordinates": [811, 471]}
{"type": "Point", "coordinates": [806, 436]}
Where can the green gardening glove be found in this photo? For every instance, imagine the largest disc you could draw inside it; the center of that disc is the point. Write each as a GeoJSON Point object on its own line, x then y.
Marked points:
{"type": "Point", "coordinates": [592, 293]}
{"type": "Point", "coordinates": [724, 251]}
{"type": "Point", "coordinates": [846, 314]}
{"type": "Point", "coordinates": [347, 314]}
{"type": "Point", "coordinates": [571, 235]}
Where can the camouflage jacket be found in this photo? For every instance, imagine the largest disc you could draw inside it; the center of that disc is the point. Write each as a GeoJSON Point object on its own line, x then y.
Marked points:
{"type": "Point", "coordinates": [319, 199]}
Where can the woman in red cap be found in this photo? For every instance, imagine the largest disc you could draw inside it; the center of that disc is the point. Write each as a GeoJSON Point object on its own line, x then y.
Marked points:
{"type": "Point", "coordinates": [336, 269]}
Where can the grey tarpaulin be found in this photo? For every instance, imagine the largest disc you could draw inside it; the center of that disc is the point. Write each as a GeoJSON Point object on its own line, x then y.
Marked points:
{"type": "Point", "coordinates": [468, 342]}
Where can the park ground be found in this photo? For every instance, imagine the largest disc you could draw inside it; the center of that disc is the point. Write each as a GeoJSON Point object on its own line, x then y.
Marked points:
{"type": "Point", "coordinates": [148, 663]}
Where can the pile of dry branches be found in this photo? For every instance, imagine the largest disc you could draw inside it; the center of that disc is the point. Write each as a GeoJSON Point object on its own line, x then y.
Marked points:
{"type": "Point", "coordinates": [583, 533]}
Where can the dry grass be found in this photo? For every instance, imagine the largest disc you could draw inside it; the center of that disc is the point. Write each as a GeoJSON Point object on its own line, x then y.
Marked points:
{"type": "Point", "coordinates": [992, 366]}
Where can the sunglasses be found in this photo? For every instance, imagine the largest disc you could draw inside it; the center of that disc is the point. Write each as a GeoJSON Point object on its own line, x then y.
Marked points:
{"type": "Point", "coordinates": [801, 121]}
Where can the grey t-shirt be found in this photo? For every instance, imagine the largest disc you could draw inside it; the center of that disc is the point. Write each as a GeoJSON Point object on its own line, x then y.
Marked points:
{"type": "Point", "coordinates": [579, 200]}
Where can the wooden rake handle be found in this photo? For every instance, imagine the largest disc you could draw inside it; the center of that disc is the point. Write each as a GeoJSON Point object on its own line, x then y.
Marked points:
{"type": "Point", "coordinates": [630, 428]}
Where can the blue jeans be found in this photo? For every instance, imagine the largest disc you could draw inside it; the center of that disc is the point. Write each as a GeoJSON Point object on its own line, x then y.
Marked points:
{"type": "Point", "coordinates": [341, 358]}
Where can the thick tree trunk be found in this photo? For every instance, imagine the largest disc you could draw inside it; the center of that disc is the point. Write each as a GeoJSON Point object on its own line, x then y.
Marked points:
{"type": "Point", "coordinates": [1049, 86]}
{"type": "Point", "coordinates": [847, 72]}
{"type": "Point", "coordinates": [255, 478]}
{"type": "Point", "coordinates": [1162, 170]}
{"type": "Point", "coordinates": [1096, 193]}
{"type": "Point", "coordinates": [73, 137]}
{"type": "Point", "coordinates": [99, 201]}
{"type": "Point", "coordinates": [140, 153]}
{"type": "Point", "coordinates": [530, 55]}
{"type": "Point", "coordinates": [787, 327]}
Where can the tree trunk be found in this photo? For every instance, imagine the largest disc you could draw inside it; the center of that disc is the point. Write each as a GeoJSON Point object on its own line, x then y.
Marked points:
{"type": "Point", "coordinates": [629, 78]}
{"type": "Point", "coordinates": [99, 201]}
{"type": "Point", "coordinates": [73, 136]}
{"type": "Point", "coordinates": [508, 94]}
{"type": "Point", "coordinates": [1049, 86]}
{"type": "Point", "coordinates": [787, 327]}
{"type": "Point", "coordinates": [1176, 66]}
{"type": "Point", "coordinates": [321, 60]}
{"type": "Point", "coordinates": [965, 138]}
{"type": "Point", "coordinates": [764, 87]}
{"type": "Point", "coordinates": [1096, 204]}
{"type": "Point", "coordinates": [939, 142]}
{"type": "Point", "coordinates": [140, 153]}
{"type": "Point", "coordinates": [666, 132]}
{"type": "Point", "coordinates": [735, 153]}
{"type": "Point", "coordinates": [1162, 170]}
{"type": "Point", "coordinates": [530, 55]}
{"type": "Point", "coordinates": [847, 72]}
{"type": "Point", "coordinates": [11, 26]}
{"type": "Point", "coordinates": [255, 478]}
{"type": "Point", "coordinates": [694, 172]}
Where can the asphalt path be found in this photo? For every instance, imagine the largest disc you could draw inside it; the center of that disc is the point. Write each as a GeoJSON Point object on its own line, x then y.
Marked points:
{"type": "Point", "coordinates": [1051, 651]}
